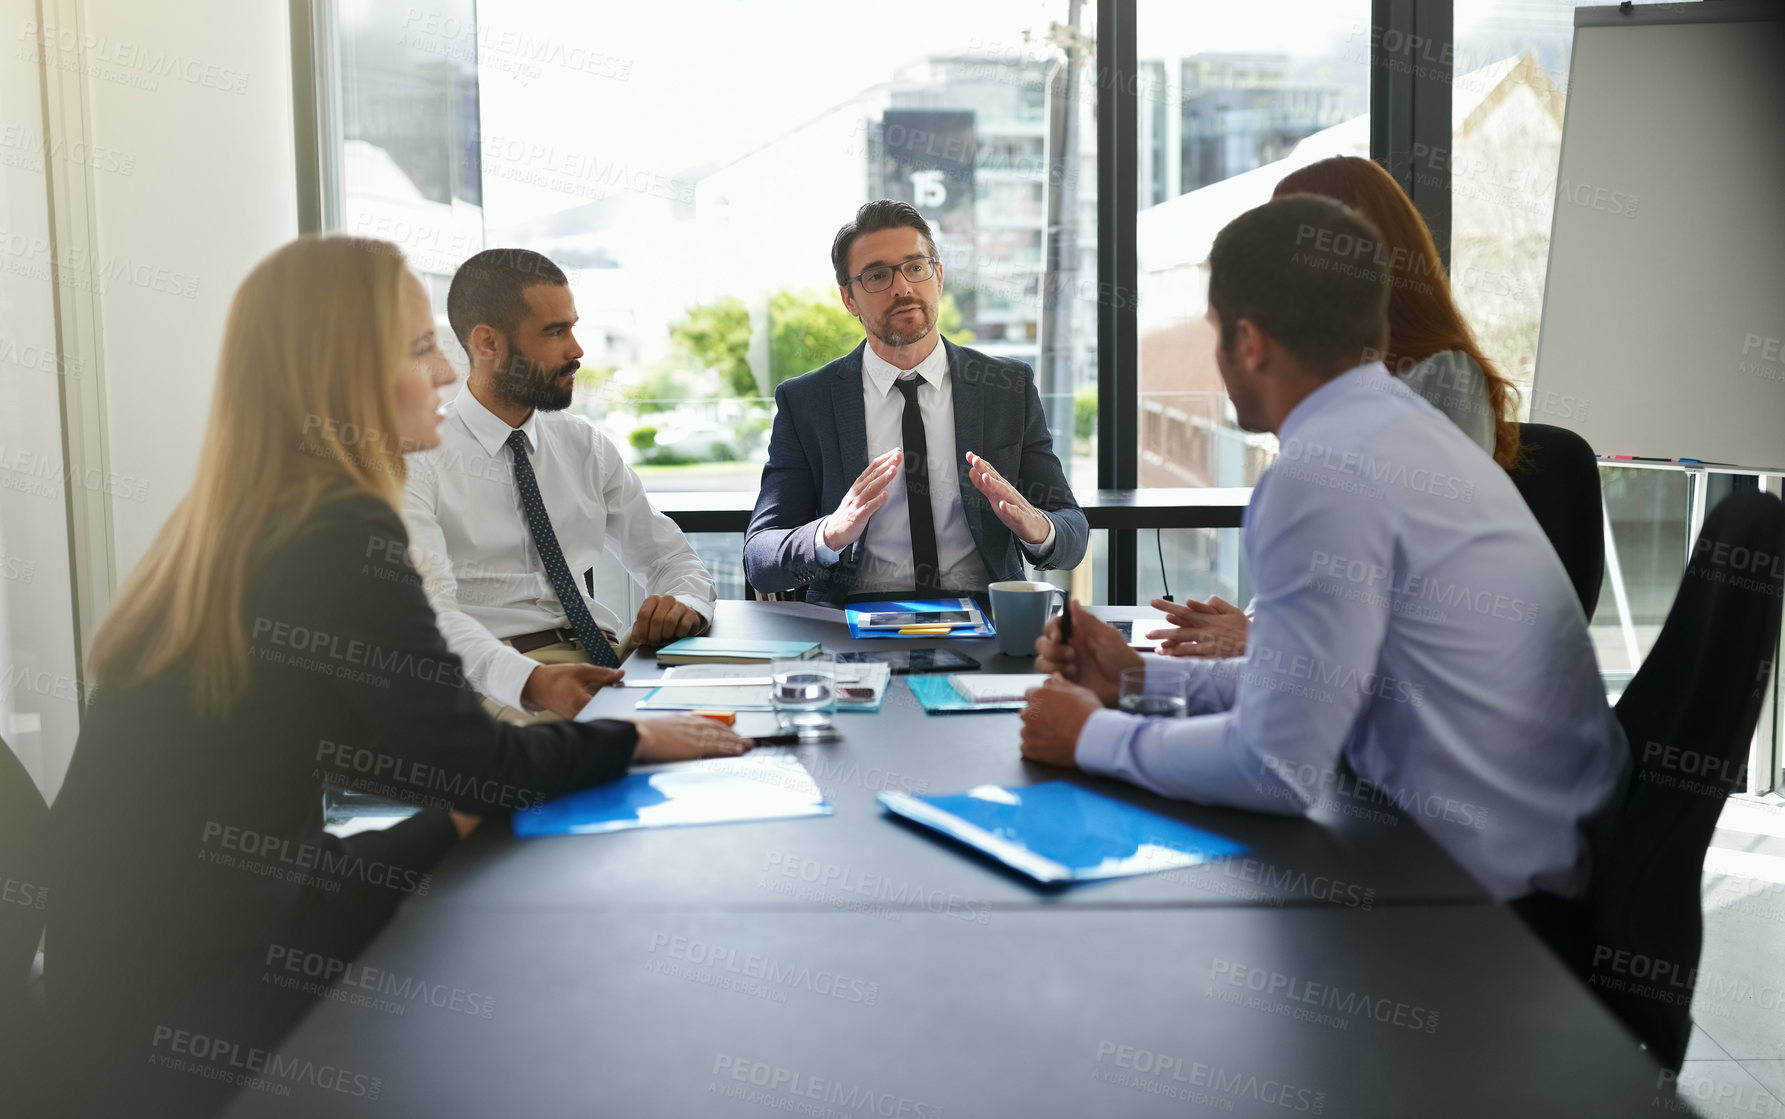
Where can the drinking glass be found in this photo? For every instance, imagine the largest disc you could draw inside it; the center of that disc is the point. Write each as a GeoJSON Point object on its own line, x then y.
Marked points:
{"type": "Point", "coordinates": [1161, 691]}
{"type": "Point", "coordinates": [804, 695]}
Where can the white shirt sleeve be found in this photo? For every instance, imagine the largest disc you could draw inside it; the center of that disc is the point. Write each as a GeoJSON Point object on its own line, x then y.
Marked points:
{"type": "Point", "coordinates": [1041, 551]}
{"type": "Point", "coordinates": [826, 555]}
{"type": "Point", "coordinates": [492, 668]}
{"type": "Point", "coordinates": [649, 544]}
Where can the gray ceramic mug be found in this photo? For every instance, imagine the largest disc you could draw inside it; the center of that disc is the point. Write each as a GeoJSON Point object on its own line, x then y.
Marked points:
{"type": "Point", "coordinates": [1020, 609]}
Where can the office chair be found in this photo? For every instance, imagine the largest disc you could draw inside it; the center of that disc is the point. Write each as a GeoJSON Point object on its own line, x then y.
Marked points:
{"type": "Point", "coordinates": [1558, 477]}
{"type": "Point", "coordinates": [1689, 715]}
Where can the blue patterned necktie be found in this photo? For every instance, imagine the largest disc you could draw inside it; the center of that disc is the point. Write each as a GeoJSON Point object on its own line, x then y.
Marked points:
{"type": "Point", "coordinates": [576, 611]}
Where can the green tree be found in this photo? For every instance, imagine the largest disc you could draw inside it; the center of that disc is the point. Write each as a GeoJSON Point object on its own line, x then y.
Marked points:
{"type": "Point", "coordinates": [809, 328]}
{"type": "Point", "coordinates": [717, 337]}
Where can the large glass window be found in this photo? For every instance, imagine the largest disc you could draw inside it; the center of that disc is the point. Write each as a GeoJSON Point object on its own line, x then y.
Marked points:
{"type": "Point", "coordinates": [691, 184]}
{"type": "Point", "coordinates": [1231, 99]}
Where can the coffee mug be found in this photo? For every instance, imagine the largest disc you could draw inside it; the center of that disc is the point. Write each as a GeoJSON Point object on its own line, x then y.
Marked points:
{"type": "Point", "coordinates": [1020, 609]}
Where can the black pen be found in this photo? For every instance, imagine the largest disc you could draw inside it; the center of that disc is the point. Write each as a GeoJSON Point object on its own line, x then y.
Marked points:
{"type": "Point", "coordinates": [1066, 623]}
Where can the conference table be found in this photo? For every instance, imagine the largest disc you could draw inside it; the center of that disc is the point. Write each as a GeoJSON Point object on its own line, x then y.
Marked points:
{"type": "Point", "coordinates": [855, 964]}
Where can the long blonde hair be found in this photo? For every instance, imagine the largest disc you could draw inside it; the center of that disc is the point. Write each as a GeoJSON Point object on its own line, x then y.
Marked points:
{"type": "Point", "coordinates": [305, 403]}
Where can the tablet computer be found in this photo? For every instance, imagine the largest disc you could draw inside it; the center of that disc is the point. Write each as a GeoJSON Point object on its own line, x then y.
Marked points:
{"type": "Point", "coordinates": [904, 661]}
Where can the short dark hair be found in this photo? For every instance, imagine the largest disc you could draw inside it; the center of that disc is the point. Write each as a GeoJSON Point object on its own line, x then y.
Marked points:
{"type": "Point", "coordinates": [490, 288]}
{"type": "Point", "coordinates": [1307, 271]}
{"type": "Point", "coordinates": [883, 213]}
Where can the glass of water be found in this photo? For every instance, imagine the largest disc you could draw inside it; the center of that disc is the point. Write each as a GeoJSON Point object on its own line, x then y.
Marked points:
{"type": "Point", "coordinates": [1161, 691]}
{"type": "Point", "coordinates": [804, 695]}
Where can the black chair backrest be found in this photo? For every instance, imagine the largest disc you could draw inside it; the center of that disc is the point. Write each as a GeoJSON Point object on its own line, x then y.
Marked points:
{"type": "Point", "coordinates": [1689, 715]}
{"type": "Point", "coordinates": [24, 869]}
{"type": "Point", "coordinates": [1558, 477]}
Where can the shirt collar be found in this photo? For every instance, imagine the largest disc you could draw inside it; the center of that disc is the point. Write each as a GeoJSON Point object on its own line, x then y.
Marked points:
{"type": "Point", "coordinates": [883, 373]}
{"type": "Point", "coordinates": [490, 430]}
{"type": "Point", "coordinates": [1328, 394]}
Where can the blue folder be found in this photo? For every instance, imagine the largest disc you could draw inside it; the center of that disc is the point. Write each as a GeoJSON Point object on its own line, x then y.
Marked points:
{"type": "Point", "coordinates": [1059, 832]}
{"type": "Point", "coordinates": [758, 786]}
{"type": "Point", "coordinates": [939, 697]}
{"type": "Point", "coordinates": [853, 615]}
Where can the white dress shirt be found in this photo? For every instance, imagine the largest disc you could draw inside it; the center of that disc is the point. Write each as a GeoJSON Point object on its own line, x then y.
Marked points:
{"type": "Point", "coordinates": [886, 563]}
{"type": "Point", "coordinates": [1411, 618]}
{"type": "Point", "coordinates": [469, 538]}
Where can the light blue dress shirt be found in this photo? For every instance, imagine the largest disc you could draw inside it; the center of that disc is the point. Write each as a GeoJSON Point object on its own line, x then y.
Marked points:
{"type": "Point", "coordinates": [1412, 619]}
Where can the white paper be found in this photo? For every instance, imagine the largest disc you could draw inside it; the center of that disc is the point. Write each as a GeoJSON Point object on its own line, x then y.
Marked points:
{"type": "Point", "coordinates": [992, 688]}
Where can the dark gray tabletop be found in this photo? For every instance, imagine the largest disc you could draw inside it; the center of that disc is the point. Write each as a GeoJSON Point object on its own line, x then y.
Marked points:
{"type": "Point", "coordinates": [853, 965]}
{"type": "Point", "coordinates": [1351, 853]}
{"type": "Point", "coordinates": [1403, 1011]}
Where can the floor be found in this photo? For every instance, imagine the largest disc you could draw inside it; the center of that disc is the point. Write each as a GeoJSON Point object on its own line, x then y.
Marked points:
{"type": "Point", "coordinates": [1735, 1064]}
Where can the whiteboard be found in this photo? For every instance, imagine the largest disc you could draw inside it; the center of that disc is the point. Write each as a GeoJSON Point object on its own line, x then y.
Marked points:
{"type": "Point", "coordinates": [1663, 329]}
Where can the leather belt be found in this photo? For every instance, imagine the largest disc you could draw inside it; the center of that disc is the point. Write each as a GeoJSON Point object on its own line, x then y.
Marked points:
{"type": "Point", "coordinates": [527, 642]}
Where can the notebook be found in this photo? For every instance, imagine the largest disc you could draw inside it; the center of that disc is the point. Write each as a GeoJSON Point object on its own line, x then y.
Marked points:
{"type": "Point", "coordinates": [1059, 832]}
{"type": "Point", "coordinates": [722, 650]}
{"type": "Point", "coordinates": [962, 692]}
{"type": "Point", "coordinates": [714, 791]}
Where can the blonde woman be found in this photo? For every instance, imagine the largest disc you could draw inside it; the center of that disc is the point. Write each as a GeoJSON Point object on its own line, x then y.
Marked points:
{"type": "Point", "coordinates": [275, 639]}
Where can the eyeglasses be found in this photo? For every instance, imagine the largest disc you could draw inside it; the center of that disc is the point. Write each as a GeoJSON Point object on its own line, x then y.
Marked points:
{"type": "Point", "coordinates": [879, 279]}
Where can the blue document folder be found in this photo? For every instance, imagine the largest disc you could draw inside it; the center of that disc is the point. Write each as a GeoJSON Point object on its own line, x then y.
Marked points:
{"type": "Point", "coordinates": [853, 615]}
{"type": "Point", "coordinates": [756, 786]}
{"type": "Point", "coordinates": [1059, 832]}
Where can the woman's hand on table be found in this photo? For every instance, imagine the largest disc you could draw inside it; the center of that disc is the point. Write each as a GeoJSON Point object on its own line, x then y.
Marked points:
{"type": "Point", "coordinates": [680, 738]}
{"type": "Point", "coordinates": [1202, 629]}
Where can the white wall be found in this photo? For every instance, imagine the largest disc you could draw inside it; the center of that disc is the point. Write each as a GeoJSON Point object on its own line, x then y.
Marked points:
{"type": "Point", "coordinates": [213, 190]}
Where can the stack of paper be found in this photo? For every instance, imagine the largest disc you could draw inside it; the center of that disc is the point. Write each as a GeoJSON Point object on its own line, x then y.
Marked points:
{"type": "Point", "coordinates": [991, 688]}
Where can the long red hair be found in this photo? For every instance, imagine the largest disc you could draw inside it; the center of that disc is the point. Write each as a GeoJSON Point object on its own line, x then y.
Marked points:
{"type": "Point", "coordinates": [1422, 318]}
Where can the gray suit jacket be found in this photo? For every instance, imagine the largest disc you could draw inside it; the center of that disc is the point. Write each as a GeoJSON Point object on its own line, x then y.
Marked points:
{"type": "Point", "coordinates": [820, 446]}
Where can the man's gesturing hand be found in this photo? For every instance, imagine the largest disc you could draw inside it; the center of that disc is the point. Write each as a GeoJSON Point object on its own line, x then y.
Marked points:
{"type": "Point", "coordinates": [564, 689]}
{"type": "Point", "coordinates": [844, 526]}
{"type": "Point", "coordinates": [662, 619]}
{"type": "Point", "coordinates": [1029, 523]}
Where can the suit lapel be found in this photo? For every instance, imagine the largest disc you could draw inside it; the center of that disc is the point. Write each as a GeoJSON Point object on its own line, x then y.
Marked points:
{"type": "Point", "coordinates": [851, 418]}
{"type": "Point", "coordinates": [969, 435]}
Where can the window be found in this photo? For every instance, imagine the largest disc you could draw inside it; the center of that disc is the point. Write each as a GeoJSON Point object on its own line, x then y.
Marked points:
{"type": "Point", "coordinates": [694, 199]}
{"type": "Point", "coordinates": [1230, 100]}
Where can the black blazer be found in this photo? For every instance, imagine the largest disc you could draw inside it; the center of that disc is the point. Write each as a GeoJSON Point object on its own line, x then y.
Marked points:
{"type": "Point", "coordinates": [190, 856]}
{"type": "Point", "coordinates": [820, 446]}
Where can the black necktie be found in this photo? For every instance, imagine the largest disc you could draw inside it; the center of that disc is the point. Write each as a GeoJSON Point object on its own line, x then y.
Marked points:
{"type": "Point", "coordinates": [917, 491]}
{"type": "Point", "coordinates": [576, 611]}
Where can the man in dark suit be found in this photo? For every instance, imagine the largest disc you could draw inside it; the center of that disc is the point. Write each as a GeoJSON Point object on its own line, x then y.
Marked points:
{"type": "Point", "coordinates": [905, 415]}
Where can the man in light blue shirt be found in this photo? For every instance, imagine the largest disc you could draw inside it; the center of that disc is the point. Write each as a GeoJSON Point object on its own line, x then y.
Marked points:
{"type": "Point", "coordinates": [1411, 620]}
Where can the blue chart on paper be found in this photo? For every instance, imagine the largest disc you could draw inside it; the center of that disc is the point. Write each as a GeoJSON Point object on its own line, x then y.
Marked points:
{"type": "Point", "coordinates": [1059, 832]}
{"type": "Point", "coordinates": [757, 786]}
